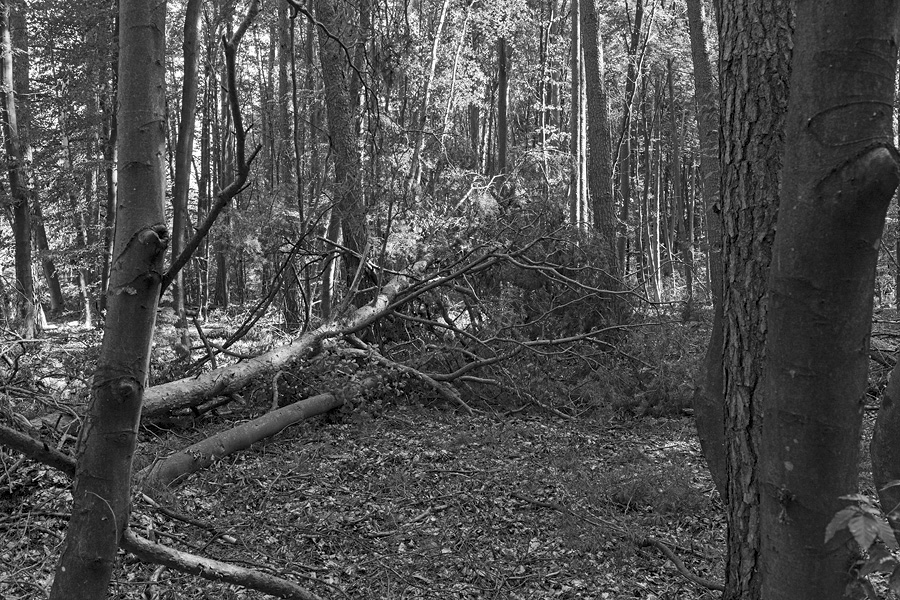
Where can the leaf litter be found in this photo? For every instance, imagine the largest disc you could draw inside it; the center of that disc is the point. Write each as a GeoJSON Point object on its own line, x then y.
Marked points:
{"type": "Point", "coordinates": [420, 502]}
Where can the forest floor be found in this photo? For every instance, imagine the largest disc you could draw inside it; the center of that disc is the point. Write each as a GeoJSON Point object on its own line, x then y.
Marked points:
{"type": "Point", "coordinates": [411, 499]}
{"type": "Point", "coordinates": [419, 503]}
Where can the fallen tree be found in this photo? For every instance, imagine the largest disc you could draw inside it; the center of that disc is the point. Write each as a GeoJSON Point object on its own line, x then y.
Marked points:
{"type": "Point", "coordinates": [194, 391]}
{"type": "Point", "coordinates": [172, 469]}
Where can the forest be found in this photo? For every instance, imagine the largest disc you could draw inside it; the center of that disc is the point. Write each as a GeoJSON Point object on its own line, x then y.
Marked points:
{"type": "Point", "coordinates": [526, 299]}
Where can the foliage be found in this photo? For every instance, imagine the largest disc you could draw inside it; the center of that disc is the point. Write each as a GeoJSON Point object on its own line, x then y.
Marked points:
{"type": "Point", "coordinates": [868, 526]}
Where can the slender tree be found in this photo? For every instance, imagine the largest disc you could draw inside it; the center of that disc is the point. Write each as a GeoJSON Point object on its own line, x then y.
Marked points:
{"type": "Point", "coordinates": [101, 497]}
{"type": "Point", "coordinates": [184, 146]}
{"type": "Point", "coordinates": [26, 302]}
{"type": "Point", "coordinates": [709, 401]}
{"type": "Point", "coordinates": [22, 83]}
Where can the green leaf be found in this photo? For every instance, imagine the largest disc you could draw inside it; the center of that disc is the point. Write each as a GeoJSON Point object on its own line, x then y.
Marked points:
{"type": "Point", "coordinates": [890, 484]}
{"type": "Point", "coordinates": [864, 530]}
{"type": "Point", "coordinates": [886, 533]}
{"type": "Point", "coordinates": [880, 561]}
{"type": "Point", "coordinates": [894, 580]}
{"type": "Point", "coordinates": [839, 521]}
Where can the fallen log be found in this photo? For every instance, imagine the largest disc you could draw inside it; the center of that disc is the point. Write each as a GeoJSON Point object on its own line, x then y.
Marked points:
{"type": "Point", "coordinates": [193, 391]}
{"type": "Point", "coordinates": [154, 553]}
{"type": "Point", "coordinates": [169, 471]}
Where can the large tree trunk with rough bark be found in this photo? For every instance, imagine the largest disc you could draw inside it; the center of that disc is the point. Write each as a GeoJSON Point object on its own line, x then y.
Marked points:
{"type": "Point", "coordinates": [101, 497]}
{"type": "Point", "coordinates": [840, 172]}
{"type": "Point", "coordinates": [754, 62]}
{"type": "Point", "coordinates": [709, 400]}
{"type": "Point", "coordinates": [599, 174]}
{"type": "Point", "coordinates": [338, 20]}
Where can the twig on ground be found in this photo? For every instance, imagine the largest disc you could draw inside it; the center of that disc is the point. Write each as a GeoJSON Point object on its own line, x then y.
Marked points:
{"type": "Point", "coordinates": [711, 585]}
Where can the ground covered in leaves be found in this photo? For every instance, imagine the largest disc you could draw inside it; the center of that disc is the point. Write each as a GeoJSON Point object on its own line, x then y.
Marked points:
{"type": "Point", "coordinates": [418, 502]}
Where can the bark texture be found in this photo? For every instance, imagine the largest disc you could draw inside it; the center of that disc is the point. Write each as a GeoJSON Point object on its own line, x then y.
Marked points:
{"type": "Point", "coordinates": [101, 496]}
{"type": "Point", "coordinates": [348, 201]}
{"type": "Point", "coordinates": [599, 176]}
{"type": "Point", "coordinates": [754, 62]}
{"type": "Point", "coordinates": [840, 172]}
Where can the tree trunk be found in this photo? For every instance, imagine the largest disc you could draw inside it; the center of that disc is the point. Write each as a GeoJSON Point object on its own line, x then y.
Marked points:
{"type": "Point", "coordinates": [709, 401]}
{"type": "Point", "coordinates": [48, 266]}
{"type": "Point", "coordinates": [342, 132]}
{"type": "Point", "coordinates": [25, 302]}
{"type": "Point", "coordinates": [754, 60]}
{"type": "Point", "coordinates": [678, 228]}
{"type": "Point", "coordinates": [101, 497]}
{"type": "Point", "coordinates": [576, 180]}
{"type": "Point", "coordinates": [175, 467]}
{"type": "Point", "coordinates": [415, 170]}
{"type": "Point", "coordinates": [840, 172]}
{"type": "Point", "coordinates": [624, 149]}
{"type": "Point", "coordinates": [184, 147]}
{"type": "Point", "coordinates": [288, 183]}
{"type": "Point", "coordinates": [22, 83]}
{"type": "Point", "coordinates": [599, 144]}
{"type": "Point", "coordinates": [110, 154]}
{"type": "Point", "coordinates": [502, 111]}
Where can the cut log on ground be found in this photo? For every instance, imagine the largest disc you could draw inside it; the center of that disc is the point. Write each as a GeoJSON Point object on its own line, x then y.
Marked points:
{"type": "Point", "coordinates": [170, 470]}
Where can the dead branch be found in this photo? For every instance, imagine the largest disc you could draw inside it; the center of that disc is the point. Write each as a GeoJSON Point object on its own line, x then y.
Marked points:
{"type": "Point", "coordinates": [365, 351]}
{"type": "Point", "coordinates": [37, 449]}
{"type": "Point", "coordinates": [209, 350]}
{"type": "Point", "coordinates": [679, 564]}
{"type": "Point", "coordinates": [151, 552]}
{"type": "Point", "coordinates": [211, 569]}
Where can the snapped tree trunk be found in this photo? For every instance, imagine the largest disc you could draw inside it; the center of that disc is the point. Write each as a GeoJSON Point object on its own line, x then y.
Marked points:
{"type": "Point", "coordinates": [840, 172]}
{"type": "Point", "coordinates": [101, 496]}
{"type": "Point", "coordinates": [754, 63]}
